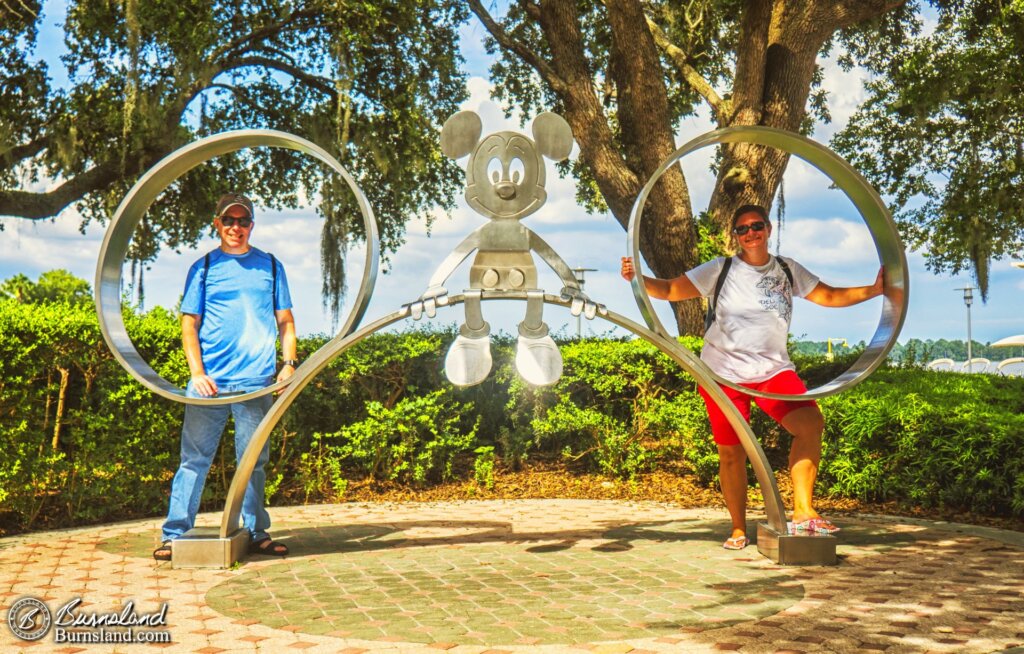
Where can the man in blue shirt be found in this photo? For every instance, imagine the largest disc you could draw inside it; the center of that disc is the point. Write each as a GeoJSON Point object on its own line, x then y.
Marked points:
{"type": "Point", "coordinates": [236, 305]}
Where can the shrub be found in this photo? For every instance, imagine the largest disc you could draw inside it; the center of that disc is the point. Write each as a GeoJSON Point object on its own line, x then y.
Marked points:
{"type": "Point", "coordinates": [620, 407]}
{"type": "Point", "coordinates": [415, 441]}
{"type": "Point", "coordinates": [483, 466]}
{"type": "Point", "coordinates": [929, 439]}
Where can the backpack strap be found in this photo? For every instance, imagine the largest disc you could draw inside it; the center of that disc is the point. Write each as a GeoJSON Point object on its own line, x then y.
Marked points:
{"type": "Point", "coordinates": [206, 272]}
{"type": "Point", "coordinates": [709, 317]}
{"type": "Point", "coordinates": [273, 281]}
{"type": "Point", "coordinates": [785, 269]}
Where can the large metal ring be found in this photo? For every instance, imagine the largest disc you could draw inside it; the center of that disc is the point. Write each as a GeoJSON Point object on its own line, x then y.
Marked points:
{"type": "Point", "coordinates": [872, 209]}
{"type": "Point", "coordinates": [142, 195]}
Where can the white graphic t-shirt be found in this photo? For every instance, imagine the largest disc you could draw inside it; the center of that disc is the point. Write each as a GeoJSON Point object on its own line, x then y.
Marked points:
{"type": "Point", "coordinates": [747, 341]}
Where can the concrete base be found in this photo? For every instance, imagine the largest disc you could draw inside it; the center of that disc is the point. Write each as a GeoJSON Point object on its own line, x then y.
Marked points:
{"type": "Point", "coordinates": [804, 548]}
{"type": "Point", "coordinates": [202, 547]}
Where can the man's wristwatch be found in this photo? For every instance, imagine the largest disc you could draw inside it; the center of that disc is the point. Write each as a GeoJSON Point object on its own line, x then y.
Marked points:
{"type": "Point", "coordinates": [294, 363]}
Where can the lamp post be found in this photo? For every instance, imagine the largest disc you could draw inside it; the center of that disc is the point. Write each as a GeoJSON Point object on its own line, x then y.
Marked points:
{"type": "Point", "coordinates": [841, 341]}
{"type": "Point", "coordinates": [580, 273]}
{"type": "Point", "coordinates": [1018, 264]}
{"type": "Point", "coordinates": [968, 300]}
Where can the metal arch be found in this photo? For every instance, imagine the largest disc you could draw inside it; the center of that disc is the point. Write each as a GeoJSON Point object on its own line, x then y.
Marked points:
{"type": "Point", "coordinates": [137, 202]}
{"type": "Point", "coordinates": [774, 508]}
{"type": "Point", "coordinates": [872, 209]}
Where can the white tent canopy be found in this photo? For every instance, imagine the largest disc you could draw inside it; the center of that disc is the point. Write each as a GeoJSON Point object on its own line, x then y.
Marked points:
{"type": "Point", "coordinates": [1010, 341]}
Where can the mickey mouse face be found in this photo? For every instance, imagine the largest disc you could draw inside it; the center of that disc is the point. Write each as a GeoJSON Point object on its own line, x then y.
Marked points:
{"type": "Point", "coordinates": [505, 176]}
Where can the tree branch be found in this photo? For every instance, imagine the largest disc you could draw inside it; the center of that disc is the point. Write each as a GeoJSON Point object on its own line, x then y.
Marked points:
{"type": "Point", "coordinates": [17, 153]}
{"type": "Point", "coordinates": [506, 41]}
{"type": "Point", "coordinates": [320, 84]}
{"type": "Point", "coordinates": [237, 92]}
{"type": "Point", "coordinates": [36, 206]}
{"type": "Point", "coordinates": [32, 12]}
{"type": "Point", "coordinates": [265, 31]}
{"type": "Point", "coordinates": [840, 14]}
{"type": "Point", "coordinates": [689, 73]}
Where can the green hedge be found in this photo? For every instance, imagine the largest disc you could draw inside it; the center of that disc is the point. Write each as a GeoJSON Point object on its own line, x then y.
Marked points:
{"type": "Point", "coordinates": [383, 410]}
{"type": "Point", "coordinates": [929, 439]}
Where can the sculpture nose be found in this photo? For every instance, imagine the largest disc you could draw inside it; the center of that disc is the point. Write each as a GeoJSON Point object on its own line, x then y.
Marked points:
{"type": "Point", "coordinates": [505, 190]}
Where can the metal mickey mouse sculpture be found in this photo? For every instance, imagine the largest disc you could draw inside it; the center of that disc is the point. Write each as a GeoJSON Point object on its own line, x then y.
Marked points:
{"type": "Point", "coordinates": [504, 182]}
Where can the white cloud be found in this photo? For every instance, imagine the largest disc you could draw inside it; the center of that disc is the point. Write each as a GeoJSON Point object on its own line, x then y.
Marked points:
{"type": "Point", "coordinates": [32, 247]}
{"type": "Point", "coordinates": [830, 242]}
{"type": "Point", "coordinates": [845, 95]}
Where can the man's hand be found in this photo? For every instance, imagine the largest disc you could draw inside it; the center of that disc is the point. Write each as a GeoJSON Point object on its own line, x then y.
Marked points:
{"type": "Point", "coordinates": [204, 385]}
{"type": "Point", "coordinates": [627, 271]}
{"type": "Point", "coordinates": [287, 371]}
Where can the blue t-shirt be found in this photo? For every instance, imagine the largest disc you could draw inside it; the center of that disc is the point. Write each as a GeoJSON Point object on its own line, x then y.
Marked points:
{"type": "Point", "coordinates": [238, 332]}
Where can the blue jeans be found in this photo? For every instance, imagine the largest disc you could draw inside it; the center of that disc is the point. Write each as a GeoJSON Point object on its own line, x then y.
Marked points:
{"type": "Point", "coordinates": [200, 436]}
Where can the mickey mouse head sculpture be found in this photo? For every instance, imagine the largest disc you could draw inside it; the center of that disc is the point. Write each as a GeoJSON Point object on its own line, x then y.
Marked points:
{"type": "Point", "coordinates": [504, 182]}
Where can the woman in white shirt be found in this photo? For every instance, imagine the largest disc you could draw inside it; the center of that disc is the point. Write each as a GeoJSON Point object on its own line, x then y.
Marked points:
{"type": "Point", "coordinates": [746, 344]}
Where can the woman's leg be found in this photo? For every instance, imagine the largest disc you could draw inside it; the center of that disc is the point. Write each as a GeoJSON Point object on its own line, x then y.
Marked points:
{"type": "Point", "coordinates": [806, 425]}
{"type": "Point", "coordinates": [732, 460]}
{"type": "Point", "coordinates": [732, 472]}
{"type": "Point", "coordinates": [803, 420]}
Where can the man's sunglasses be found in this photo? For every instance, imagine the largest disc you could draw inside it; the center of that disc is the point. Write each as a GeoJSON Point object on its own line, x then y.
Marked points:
{"type": "Point", "coordinates": [743, 229]}
{"type": "Point", "coordinates": [244, 223]}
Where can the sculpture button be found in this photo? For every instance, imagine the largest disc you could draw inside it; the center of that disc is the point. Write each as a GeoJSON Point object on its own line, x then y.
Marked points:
{"type": "Point", "coordinates": [490, 278]}
{"type": "Point", "coordinates": [516, 278]}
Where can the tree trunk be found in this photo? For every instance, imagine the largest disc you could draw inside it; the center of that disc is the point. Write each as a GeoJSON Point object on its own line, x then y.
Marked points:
{"type": "Point", "coordinates": [774, 70]}
{"type": "Point", "coordinates": [773, 80]}
{"type": "Point", "coordinates": [667, 238]}
{"type": "Point", "coordinates": [62, 394]}
{"type": "Point", "coordinates": [46, 408]}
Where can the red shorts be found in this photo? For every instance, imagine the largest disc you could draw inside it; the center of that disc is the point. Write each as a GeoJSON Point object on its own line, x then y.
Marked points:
{"type": "Point", "coordinates": [785, 383]}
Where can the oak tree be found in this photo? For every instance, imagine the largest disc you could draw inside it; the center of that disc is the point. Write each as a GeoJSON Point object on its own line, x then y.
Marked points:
{"type": "Point", "coordinates": [625, 72]}
{"type": "Point", "coordinates": [371, 81]}
{"type": "Point", "coordinates": [942, 134]}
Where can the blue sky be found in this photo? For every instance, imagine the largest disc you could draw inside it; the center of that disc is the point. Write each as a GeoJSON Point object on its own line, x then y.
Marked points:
{"type": "Point", "coordinates": [822, 230]}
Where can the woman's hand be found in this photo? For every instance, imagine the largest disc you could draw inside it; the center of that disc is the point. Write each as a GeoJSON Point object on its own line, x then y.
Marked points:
{"type": "Point", "coordinates": [627, 271]}
{"type": "Point", "coordinates": [879, 286]}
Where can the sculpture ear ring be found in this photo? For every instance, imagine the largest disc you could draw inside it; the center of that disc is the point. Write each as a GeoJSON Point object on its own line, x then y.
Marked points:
{"type": "Point", "coordinates": [117, 239]}
{"type": "Point", "coordinates": [860, 193]}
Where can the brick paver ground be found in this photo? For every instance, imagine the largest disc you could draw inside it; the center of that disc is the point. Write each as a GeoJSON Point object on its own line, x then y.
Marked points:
{"type": "Point", "coordinates": [537, 576]}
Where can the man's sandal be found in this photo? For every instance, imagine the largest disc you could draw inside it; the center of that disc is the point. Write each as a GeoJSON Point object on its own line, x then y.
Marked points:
{"type": "Point", "coordinates": [163, 553]}
{"type": "Point", "coordinates": [736, 543]}
{"type": "Point", "coordinates": [268, 547]}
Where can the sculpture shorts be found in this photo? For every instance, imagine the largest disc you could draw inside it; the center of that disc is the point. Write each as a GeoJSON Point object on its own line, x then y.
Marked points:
{"type": "Point", "coordinates": [786, 382]}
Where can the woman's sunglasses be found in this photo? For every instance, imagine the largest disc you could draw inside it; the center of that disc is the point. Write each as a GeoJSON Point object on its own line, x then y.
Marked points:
{"type": "Point", "coordinates": [743, 229]}
{"type": "Point", "coordinates": [244, 223]}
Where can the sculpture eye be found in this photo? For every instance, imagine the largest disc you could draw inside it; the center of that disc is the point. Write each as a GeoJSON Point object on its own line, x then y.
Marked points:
{"type": "Point", "coordinates": [494, 170]}
{"type": "Point", "coordinates": [517, 170]}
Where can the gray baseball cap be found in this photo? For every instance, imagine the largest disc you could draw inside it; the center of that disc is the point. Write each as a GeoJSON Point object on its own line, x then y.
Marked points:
{"type": "Point", "coordinates": [229, 200]}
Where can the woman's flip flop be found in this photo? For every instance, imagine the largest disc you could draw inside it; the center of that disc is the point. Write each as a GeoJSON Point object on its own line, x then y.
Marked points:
{"type": "Point", "coordinates": [817, 525]}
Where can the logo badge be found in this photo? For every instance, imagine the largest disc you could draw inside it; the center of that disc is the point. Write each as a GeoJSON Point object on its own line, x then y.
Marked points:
{"type": "Point", "coordinates": [29, 619]}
